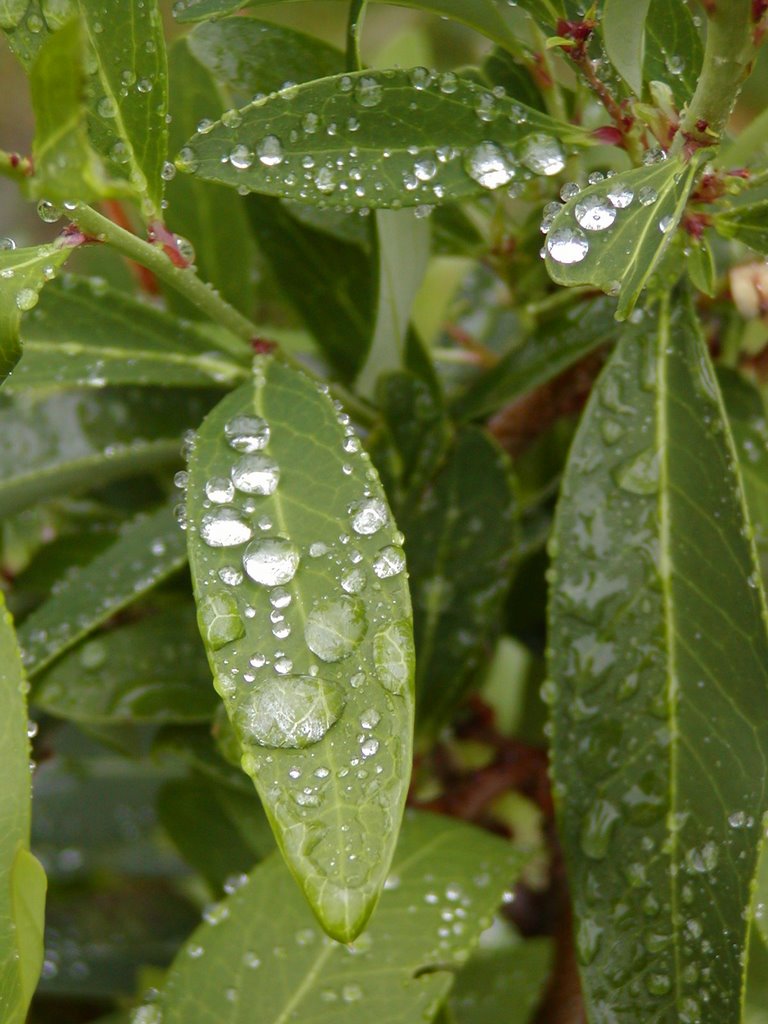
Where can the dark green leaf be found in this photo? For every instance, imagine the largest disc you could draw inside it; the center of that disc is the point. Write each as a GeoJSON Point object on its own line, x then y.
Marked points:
{"type": "Point", "coordinates": [747, 224]}
{"type": "Point", "coordinates": [149, 549]}
{"type": "Point", "coordinates": [614, 234]}
{"type": "Point", "coordinates": [83, 333]}
{"type": "Point", "coordinates": [212, 218]}
{"type": "Point", "coordinates": [439, 147]}
{"type": "Point", "coordinates": [312, 651]}
{"type": "Point", "coordinates": [74, 441]}
{"type": "Point", "coordinates": [660, 695]}
{"type": "Point", "coordinates": [460, 539]}
{"type": "Point", "coordinates": [269, 952]}
{"type": "Point", "coordinates": [555, 345]}
{"type": "Point", "coordinates": [508, 71]}
{"type": "Point", "coordinates": [153, 670]}
{"type": "Point", "coordinates": [128, 97]}
{"type": "Point", "coordinates": [335, 292]}
{"type": "Point", "coordinates": [623, 25]}
{"type": "Point", "coordinates": [22, 893]}
{"type": "Point", "coordinates": [23, 273]}
{"type": "Point", "coordinates": [701, 267]}
{"type": "Point", "coordinates": [502, 984]}
{"type": "Point", "coordinates": [761, 896]}
{"type": "Point", "coordinates": [673, 48]}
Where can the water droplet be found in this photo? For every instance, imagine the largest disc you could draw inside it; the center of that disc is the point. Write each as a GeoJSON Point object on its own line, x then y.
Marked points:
{"type": "Point", "coordinates": [93, 655]}
{"type": "Point", "coordinates": [594, 214]}
{"type": "Point", "coordinates": [597, 829]}
{"type": "Point", "coordinates": [368, 516]}
{"type": "Point", "coordinates": [7, 244]}
{"type": "Point", "coordinates": [368, 92]}
{"type": "Point", "coordinates": [219, 490]}
{"type": "Point", "coordinates": [271, 561]}
{"type": "Point", "coordinates": [256, 474]}
{"type": "Point", "coordinates": [390, 561]}
{"type": "Point", "coordinates": [168, 172]}
{"type": "Point", "coordinates": [620, 195]}
{"type": "Point", "coordinates": [647, 195]}
{"type": "Point", "coordinates": [335, 627]}
{"type": "Point", "coordinates": [588, 936]}
{"type": "Point", "coordinates": [224, 528]}
{"type": "Point", "coordinates": [567, 245]}
{"type": "Point", "coordinates": [48, 211]}
{"type": "Point", "coordinates": [187, 160]}
{"type": "Point", "coordinates": [279, 598]}
{"type": "Point", "coordinates": [270, 151]}
{"type": "Point", "coordinates": [290, 711]}
{"type": "Point", "coordinates": [369, 747]}
{"type": "Point", "coordinates": [542, 154]}
{"type": "Point", "coordinates": [351, 993]}
{"type": "Point", "coordinates": [666, 224]}
{"type": "Point", "coordinates": [425, 169]}
{"type": "Point", "coordinates": [488, 165]}
{"type": "Point", "coordinates": [393, 656]}
{"type": "Point", "coordinates": [247, 433]}
{"type": "Point", "coordinates": [569, 190]}
{"type": "Point", "coordinates": [26, 298]}
{"type": "Point", "coordinates": [220, 620]}
{"type": "Point", "coordinates": [354, 581]}
{"type": "Point", "coordinates": [658, 984]}
{"type": "Point", "coordinates": [640, 475]}
{"type": "Point", "coordinates": [241, 157]}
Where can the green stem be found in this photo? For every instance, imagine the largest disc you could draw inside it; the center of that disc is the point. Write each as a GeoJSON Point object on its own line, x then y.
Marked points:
{"type": "Point", "coordinates": [14, 166]}
{"type": "Point", "coordinates": [208, 301]}
{"type": "Point", "coordinates": [552, 93]}
{"type": "Point", "coordinates": [728, 58]}
{"type": "Point", "coordinates": [354, 29]}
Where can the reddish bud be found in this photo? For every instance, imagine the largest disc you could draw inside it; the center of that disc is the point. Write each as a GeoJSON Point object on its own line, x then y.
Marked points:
{"type": "Point", "coordinates": [608, 134]}
{"type": "Point", "coordinates": [263, 346]}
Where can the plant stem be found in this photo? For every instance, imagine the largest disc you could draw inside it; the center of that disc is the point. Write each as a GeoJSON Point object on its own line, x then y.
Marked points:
{"type": "Point", "coordinates": [14, 166]}
{"type": "Point", "coordinates": [545, 76]}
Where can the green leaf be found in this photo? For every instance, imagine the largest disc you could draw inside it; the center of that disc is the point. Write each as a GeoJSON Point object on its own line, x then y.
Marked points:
{"type": "Point", "coordinates": [439, 147]}
{"type": "Point", "coordinates": [23, 273]}
{"type": "Point", "coordinates": [128, 98]}
{"type": "Point", "coordinates": [153, 670]}
{"type": "Point", "coordinates": [460, 539]}
{"type": "Point", "coordinates": [399, 970]}
{"type": "Point", "coordinates": [27, 28]}
{"type": "Point", "coordinates": [335, 294]}
{"type": "Point", "coordinates": [84, 333]}
{"type": "Point", "coordinates": [614, 234]}
{"type": "Point", "coordinates": [312, 651]}
{"type": "Point", "coordinates": [761, 895]}
{"type": "Point", "coordinates": [73, 440]}
{"type": "Point", "coordinates": [555, 345]}
{"type": "Point", "coordinates": [673, 49]}
{"type": "Point", "coordinates": [212, 218]}
{"type": "Point", "coordinates": [22, 893]}
{"type": "Point", "coordinates": [701, 268]}
{"type": "Point", "coordinates": [149, 549]}
{"type": "Point", "coordinates": [11, 13]}
{"type": "Point", "coordinates": [747, 223]}
{"type": "Point", "coordinates": [659, 696]}
{"type": "Point", "coordinates": [503, 984]}
{"type": "Point", "coordinates": [623, 26]}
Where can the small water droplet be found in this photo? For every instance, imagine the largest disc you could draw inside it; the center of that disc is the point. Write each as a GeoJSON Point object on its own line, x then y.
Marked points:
{"type": "Point", "coordinates": [647, 195]}
{"type": "Point", "coordinates": [26, 299]}
{"type": "Point", "coordinates": [390, 561]}
{"type": "Point", "coordinates": [270, 151]}
{"type": "Point", "coordinates": [597, 829]}
{"type": "Point", "coordinates": [620, 195]}
{"type": "Point", "coordinates": [241, 157]}
{"type": "Point", "coordinates": [368, 516]}
{"type": "Point", "coordinates": [368, 91]}
{"type": "Point", "coordinates": [256, 474]}
{"type": "Point", "coordinates": [219, 490]}
{"type": "Point", "coordinates": [543, 154]}
{"type": "Point", "coordinates": [247, 433]}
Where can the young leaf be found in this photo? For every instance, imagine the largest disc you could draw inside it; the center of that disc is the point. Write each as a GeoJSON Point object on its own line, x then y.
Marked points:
{"type": "Point", "coordinates": [304, 610]}
{"type": "Point", "coordinates": [84, 333]}
{"type": "Point", "coordinates": [747, 223]}
{"type": "Point", "coordinates": [129, 92]}
{"type": "Point", "coordinates": [153, 670]}
{"type": "Point", "coordinates": [23, 273]}
{"type": "Point", "coordinates": [614, 234]}
{"type": "Point", "coordinates": [659, 695]}
{"type": "Point", "coordinates": [623, 25]}
{"type": "Point", "coordinates": [504, 984]}
{"type": "Point", "coordinates": [460, 539]}
{"type": "Point", "coordinates": [22, 893]}
{"type": "Point", "coordinates": [416, 138]}
{"type": "Point", "coordinates": [400, 969]}
{"type": "Point", "coordinates": [150, 548]}
{"type": "Point", "coordinates": [673, 48]}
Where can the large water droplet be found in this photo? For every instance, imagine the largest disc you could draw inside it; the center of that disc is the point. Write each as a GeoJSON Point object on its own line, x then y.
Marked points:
{"type": "Point", "coordinates": [271, 561]}
{"type": "Point", "coordinates": [290, 711]}
{"type": "Point", "coordinates": [620, 195]}
{"type": "Point", "coordinates": [393, 656]}
{"type": "Point", "coordinates": [26, 298]}
{"type": "Point", "coordinates": [567, 245]}
{"type": "Point", "coordinates": [597, 829]}
{"type": "Point", "coordinates": [594, 213]}
{"type": "Point", "coordinates": [247, 433]}
{"type": "Point", "coordinates": [390, 561]}
{"type": "Point", "coordinates": [641, 474]}
{"type": "Point", "coordinates": [335, 627]}
{"type": "Point", "coordinates": [369, 515]}
{"type": "Point", "coordinates": [488, 165]}
{"type": "Point", "coordinates": [270, 151]}
{"type": "Point", "coordinates": [256, 474]}
{"type": "Point", "coordinates": [542, 154]}
{"type": "Point", "coordinates": [220, 620]}
{"type": "Point", "coordinates": [224, 528]}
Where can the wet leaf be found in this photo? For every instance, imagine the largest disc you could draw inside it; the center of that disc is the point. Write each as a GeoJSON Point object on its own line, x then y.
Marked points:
{"type": "Point", "coordinates": [83, 333]}
{"type": "Point", "coordinates": [304, 609]}
{"type": "Point", "coordinates": [23, 273]}
{"type": "Point", "coordinates": [761, 896]}
{"type": "Point", "coordinates": [446, 138]}
{"type": "Point", "coordinates": [26, 27]}
{"type": "Point", "coordinates": [747, 223]}
{"type": "Point", "coordinates": [460, 539]}
{"type": "Point", "coordinates": [623, 26]}
{"type": "Point", "coordinates": [262, 947]}
{"type": "Point", "coordinates": [149, 549]}
{"type": "Point", "coordinates": [22, 894]}
{"type": "Point", "coordinates": [503, 984]}
{"type": "Point", "coordinates": [673, 48]}
{"type": "Point", "coordinates": [659, 695]}
{"type": "Point", "coordinates": [153, 670]}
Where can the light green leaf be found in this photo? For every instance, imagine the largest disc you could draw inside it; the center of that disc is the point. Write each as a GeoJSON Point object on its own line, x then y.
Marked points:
{"type": "Point", "coordinates": [73, 440]}
{"type": "Point", "coordinates": [623, 25]}
{"type": "Point", "coordinates": [22, 893]}
{"type": "Point", "coordinates": [614, 234]}
{"type": "Point", "coordinates": [149, 549]}
{"type": "Point", "coordinates": [27, 27]}
{"type": "Point", "coordinates": [304, 609]}
{"type": "Point", "coordinates": [460, 539]}
{"type": "Point", "coordinates": [747, 223]}
{"type": "Point", "coordinates": [503, 984]}
{"type": "Point", "coordinates": [11, 13]}
{"type": "Point", "coordinates": [761, 895]}
{"type": "Point", "coordinates": [23, 273]}
{"type": "Point", "coordinates": [84, 333]}
{"type": "Point", "coordinates": [660, 695]}
{"type": "Point", "coordinates": [128, 98]}
{"type": "Point", "coordinates": [673, 48]}
{"type": "Point", "coordinates": [446, 138]}
{"type": "Point", "coordinates": [153, 670]}
{"type": "Point", "coordinates": [266, 948]}
{"type": "Point", "coordinates": [700, 264]}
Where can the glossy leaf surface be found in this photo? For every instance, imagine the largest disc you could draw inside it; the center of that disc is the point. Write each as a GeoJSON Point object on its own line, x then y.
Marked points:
{"type": "Point", "coordinates": [446, 138]}
{"type": "Point", "coordinates": [673, 48]}
{"type": "Point", "coordinates": [149, 549]}
{"type": "Point", "coordinates": [83, 333]}
{"type": "Point", "coordinates": [747, 223]}
{"type": "Point", "coordinates": [660, 701]}
{"type": "Point", "coordinates": [613, 234]}
{"type": "Point", "coordinates": [623, 26]}
{"type": "Point", "coordinates": [22, 894]}
{"type": "Point", "coordinates": [153, 670]}
{"type": "Point", "coordinates": [304, 609]}
{"type": "Point", "coordinates": [400, 969]}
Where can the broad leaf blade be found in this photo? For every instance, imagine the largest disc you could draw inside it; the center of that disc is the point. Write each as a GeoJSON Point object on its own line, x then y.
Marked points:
{"type": "Point", "coordinates": [447, 880]}
{"type": "Point", "coordinates": [503, 984]}
{"type": "Point", "coordinates": [614, 234]}
{"type": "Point", "coordinates": [623, 25]}
{"type": "Point", "coordinates": [149, 549]}
{"type": "Point", "coordinates": [22, 893]}
{"type": "Point", "coordinates": [304, 609]}
{"type": "Point", "coordinates": [660, 696]}
{"type": "Point", "coordinates": [673, 48]}
{"type": "Point", "coordinates": [378, 139]}
{"type": "Point", "coordinates": [747, 223]}
{"type": "Point", "coordinates": [84, 333]}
